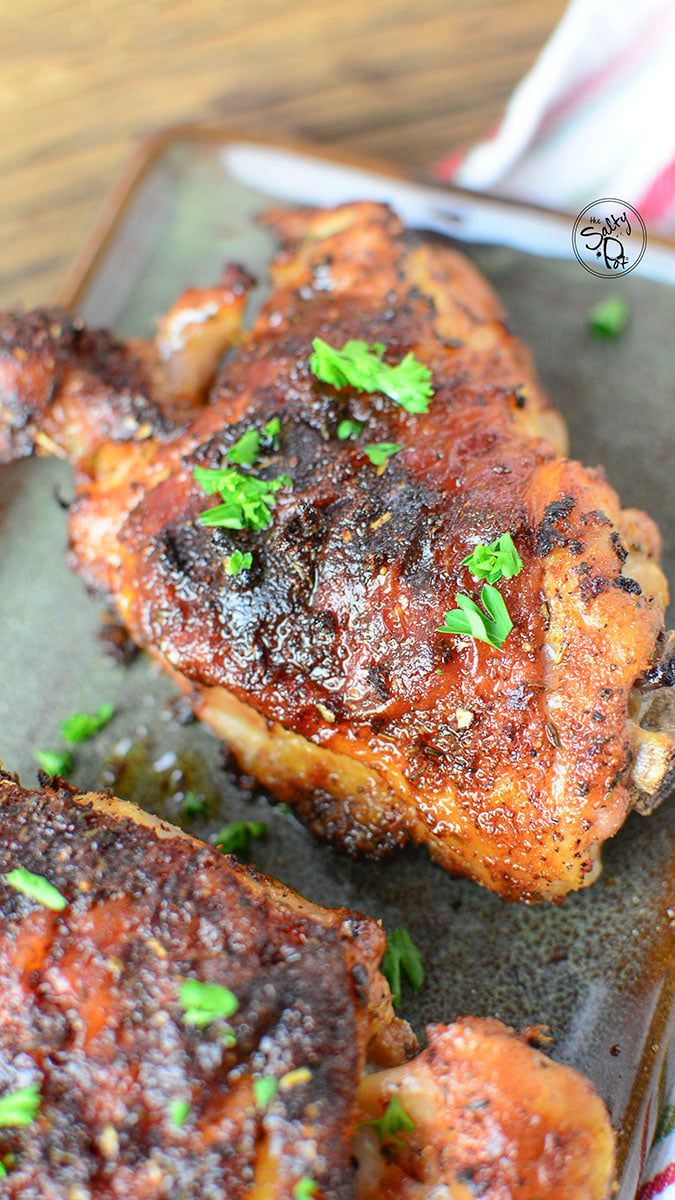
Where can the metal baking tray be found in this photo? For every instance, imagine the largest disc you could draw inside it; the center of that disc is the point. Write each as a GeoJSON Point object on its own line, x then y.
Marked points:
{"type": "Point", "coordinates": [598, 969]}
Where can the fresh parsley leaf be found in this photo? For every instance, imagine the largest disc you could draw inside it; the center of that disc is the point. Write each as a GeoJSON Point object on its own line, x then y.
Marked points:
{"type": "Point", "coordinates": [492, 626]}
{"type": "Point", "coordinates": [348, 429]}
{"type": "Point", "coordinates": [246, 450]}
{"type": "Point", "coordinates": [36, 888]}
{"type": "Point", "coordinates": [264, 1090]}
{"type": "Point", "coordinates": [247, 500]}
{"type": "Point", "coordinates": [3, 1170]}
{"type": "Point", "coordinates": [206, 1002]}
{"type": "Point", "coordinates": [237, 562]}
{"type": "Point", "coordinates": [305, 1189]}
{"type": "Point", "coordinates": [230, 516]}
{"type": "Point", "coordinates": [212, 479]}
{"type": "Point", "coordinates": [381, 451]}
{"type": "Point", "coordinates": [402, 954]}
{"type": "Point", "coordinates": [20, 1108]}
{"type": "Point", "coordinates": [178, 1111]}
{"type": "Point", "coordinates": [395, 1120]}
{"type": "Point", "coordinates": [272, 430]}
{"type": "Point", "coordinates": [194, 805]}
{"type": "Point", "coordinates": [236, 836]}
{"type": "Point", "coordinates": [608, 319]}
{"type": "Point", "coordinates": [498, 560]}
{"type": "Point", "coordinates": [80, 726]}
{"type": "Point", "coordinates": [55, 762]}
{"type": "Point", "coordinates": [361, 366]}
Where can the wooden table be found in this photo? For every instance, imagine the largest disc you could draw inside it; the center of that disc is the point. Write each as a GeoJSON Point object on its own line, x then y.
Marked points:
{"type": "Point", "coordinates": [82, 83]}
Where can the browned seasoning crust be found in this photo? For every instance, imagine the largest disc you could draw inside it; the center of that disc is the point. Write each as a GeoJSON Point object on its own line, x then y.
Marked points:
{"type": "Point", "coordinates": [90, 1012]}
{"type": "Point", "coordinates": [322, 664]}
{"type": "Point", "coordinates": [493, 1118]}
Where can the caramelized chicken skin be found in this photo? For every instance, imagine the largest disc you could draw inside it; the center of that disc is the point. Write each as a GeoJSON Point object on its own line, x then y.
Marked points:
{"type": "Point", "coordinates": [91, 1013]}
{"type": "Point", "coordinates": [322, 664]}
{"type": "Point", "coordinates": [492, 1117]}
{"type": "Point", "coordinates": [138, 1100]}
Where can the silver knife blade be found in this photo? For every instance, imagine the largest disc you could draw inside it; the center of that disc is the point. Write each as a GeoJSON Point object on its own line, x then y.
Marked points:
{"type": "Point", "coordinates": [303, 179]}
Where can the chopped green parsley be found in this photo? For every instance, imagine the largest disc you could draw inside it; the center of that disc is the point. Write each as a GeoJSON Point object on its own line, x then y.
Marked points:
{"type": "Point", "coordinates": [272, 430]}
{"type": "Point", "coordinates": [206, 1002]}
{"type": "Point", "coordinates": [264, 1090]}
{"type": "Point", "coordinates": [80, 726]}
{"type": "Point", "coordinates": [237, 562]}
{"type": "Point", "coordinates": [361, 366]}
{"type": "Point", "coordinates": [492, 626]}
{"type": "Point", "coordinates": [395, 1120]}
{"type": "Point", "coordinates": [55, 762]}
{"type": "Point", "coordinates": [381, 451]}
{"type": "Point", "coordinates": [246, 450]}
{"type": "Point", "coordinates": [608, 319]}
{"type": "Point", "coordinates": [194, 805]}
{"type": "Point", "coordinates": [348, 429]}
{"type": "Point", "coordinates": [402, 955]}
{"type": "Point", "coordinates": [35, 887]}
{"type": "Point", "coordinates": [178, 1111]}
{"type": "Point", "coordinates": [305, 1189]}
{"type": "Point", "coordinates": [20, 1108]}
{"type": "Point", "coordinates": [499, 560]}
{"type": "Point", "coordinates": [236, 835]}
{"type": "Point", "coordinates": [247, 500]}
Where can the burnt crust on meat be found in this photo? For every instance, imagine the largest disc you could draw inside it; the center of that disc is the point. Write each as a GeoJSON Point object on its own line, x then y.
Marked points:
{"type": "Point", "coordinates": [48, 358]}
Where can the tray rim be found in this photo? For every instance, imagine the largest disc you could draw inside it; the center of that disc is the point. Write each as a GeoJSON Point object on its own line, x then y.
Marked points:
{"type": "Point", "coordinates": [641, 1111]}
{"type": "Point", "coordinates": [153, 146]}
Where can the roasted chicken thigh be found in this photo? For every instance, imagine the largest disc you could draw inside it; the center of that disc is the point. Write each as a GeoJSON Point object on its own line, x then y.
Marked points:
{"type": "Point", "coordinates": [174, 1026]}
{"type": "Point", "coordinates": [319, 658]}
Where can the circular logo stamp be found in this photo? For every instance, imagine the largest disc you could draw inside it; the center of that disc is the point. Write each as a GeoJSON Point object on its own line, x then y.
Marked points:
{"type": "Point", "coordinates": [609, 237]}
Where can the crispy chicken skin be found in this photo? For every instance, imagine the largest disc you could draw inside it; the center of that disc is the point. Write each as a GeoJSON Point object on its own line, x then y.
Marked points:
{"type": "Point", "coordinates": [90, 1012]}
{"type": "Point", "coordinates": [321, 664]}
{"type": "Point", "coordinates": [91, 1016]}
{"type": "Point", "coordinates": [493, 1118]}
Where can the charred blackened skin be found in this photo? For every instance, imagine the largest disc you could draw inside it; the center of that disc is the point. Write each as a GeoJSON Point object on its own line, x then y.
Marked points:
{"type": "Point", "coordinates": [662, 673]}
{"type": "Point", "coordinates": [40, 352]}
{"type": "Point", "coordinates": [558, 510]}
{"type": "Point", "coordinates": [331, 638]}
{"type": "Point", "coordinates": [590, 584]}
{"type": "Point", "coordinates": [91, 1011]}
{"type": "Point", "coordinates": [621, 552]}
{"type": "Point", "coordinates": [548, 535]}
{"type": "Point", "coordinates": [628, 584]}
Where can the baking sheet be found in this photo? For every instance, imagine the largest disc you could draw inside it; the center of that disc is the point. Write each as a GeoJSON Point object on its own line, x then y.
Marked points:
{"type": "Point", "coordinates": [599, 968]}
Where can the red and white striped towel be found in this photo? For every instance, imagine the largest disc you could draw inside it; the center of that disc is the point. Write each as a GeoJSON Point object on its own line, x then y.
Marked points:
{"type": "Point", "coordinates": [658, 1176]}
{"type": "Point", "coordinates": [594, 117]}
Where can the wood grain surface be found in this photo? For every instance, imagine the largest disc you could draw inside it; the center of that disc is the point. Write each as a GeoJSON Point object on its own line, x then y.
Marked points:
{"type": "Point", "coordinates": [81, 84]}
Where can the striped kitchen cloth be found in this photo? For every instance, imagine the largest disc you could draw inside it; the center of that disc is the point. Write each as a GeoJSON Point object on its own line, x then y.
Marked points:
{"type": "Point", "coordinates": [594, 117]}
{"type": "Point", "coordinates": [658, 1176]}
